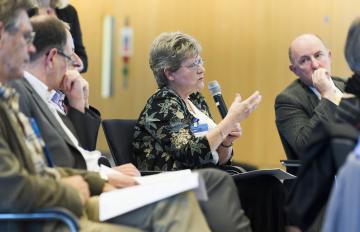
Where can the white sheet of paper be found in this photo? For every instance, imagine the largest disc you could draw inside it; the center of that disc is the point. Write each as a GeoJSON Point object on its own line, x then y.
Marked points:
{"type": "Point", "coordinates": [164, 176]}
{"type": "Point", "coordinates": [150, 189]}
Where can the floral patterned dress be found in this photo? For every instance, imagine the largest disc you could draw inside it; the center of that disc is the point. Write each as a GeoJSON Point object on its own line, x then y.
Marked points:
{"type": "Point", "coordinates": [163, 139]}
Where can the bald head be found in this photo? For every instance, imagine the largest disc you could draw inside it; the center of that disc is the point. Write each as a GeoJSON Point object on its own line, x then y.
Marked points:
{"type": "Point", "coordinates": [308, 53]}
{"type": "Point", "coordinates": [302, 41]}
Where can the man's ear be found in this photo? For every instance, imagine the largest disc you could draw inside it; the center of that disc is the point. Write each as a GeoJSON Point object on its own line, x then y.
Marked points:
{"type": "Point", "coordinates": [49, 59]}
{"type": "Point", "coordinates": [329, 54]}
{"type": "Point", "coordinates": [2, 29]}
{"type": "Point", "coordinates": [292, 68]}
{"type": "Point", "coordinates": [169, 75]}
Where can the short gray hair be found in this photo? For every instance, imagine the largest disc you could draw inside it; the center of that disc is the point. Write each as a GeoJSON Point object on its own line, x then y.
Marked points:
{"type": "Point", "coordinates": [9, 11]}
{"type": "Point", "coordinates": [46, 3]}
{"type": "Point", "coordinates": [168, 51]}
{"type": "Point", "coordinates": [352, 46]}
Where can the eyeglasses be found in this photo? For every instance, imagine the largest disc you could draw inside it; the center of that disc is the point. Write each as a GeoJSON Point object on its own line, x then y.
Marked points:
{"type": "Point", "coordinates": [69, 60]}
{"type": "Point", "coordinates": [29, 37]}
{"type": "Point", "coordinates": [198, 61]}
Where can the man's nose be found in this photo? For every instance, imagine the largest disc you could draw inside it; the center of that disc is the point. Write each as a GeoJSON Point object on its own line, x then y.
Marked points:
{"type": "Point", "coordinates": [78, 64]}
{"type": "Point", "coordinates": [201, 68]}
{"type": "Point", "coordinates": [31, 48]}
{"type": "Point", "coordinates": [314, 63]}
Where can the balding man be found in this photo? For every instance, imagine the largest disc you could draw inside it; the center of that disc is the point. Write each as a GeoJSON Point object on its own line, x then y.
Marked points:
{"type": "Point", "coordinates": [312, 97]}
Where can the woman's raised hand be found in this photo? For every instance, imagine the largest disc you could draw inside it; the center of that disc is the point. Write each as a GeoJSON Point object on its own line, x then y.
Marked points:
{"type": "Point", "coordinates": [229, 128]}
{"type": "Point", "coordinates": [240, 110]}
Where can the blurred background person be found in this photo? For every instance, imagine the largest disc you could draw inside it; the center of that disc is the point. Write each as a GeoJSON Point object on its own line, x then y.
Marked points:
{"type": "Point", "coordinates": [67, 13]}
{"type": "Point", "coordinates": [342, 212]}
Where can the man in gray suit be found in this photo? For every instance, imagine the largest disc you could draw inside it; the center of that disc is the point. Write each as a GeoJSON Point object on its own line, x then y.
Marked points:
{"type": "Point", "coordinates": [312, 97]}
{"type": "Point", "coordinates": [61, 139]}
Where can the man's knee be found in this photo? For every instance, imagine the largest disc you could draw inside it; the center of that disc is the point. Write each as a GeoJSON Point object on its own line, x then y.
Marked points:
{"type": "Point", "coordinates": [216, 177]}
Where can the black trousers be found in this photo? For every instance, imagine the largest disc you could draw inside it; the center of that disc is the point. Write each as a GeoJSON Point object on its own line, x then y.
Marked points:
{"type": "Point", "coordinates": [263, 200]}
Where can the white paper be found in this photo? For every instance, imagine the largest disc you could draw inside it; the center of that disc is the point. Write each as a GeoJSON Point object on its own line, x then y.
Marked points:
{"type": "Point", "coordinates": [150, 189]}
{"type": "Point", "coordinates": [164, 176]}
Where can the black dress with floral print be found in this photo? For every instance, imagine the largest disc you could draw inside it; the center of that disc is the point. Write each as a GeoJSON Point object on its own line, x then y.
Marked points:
{"type": "Point", "coordinates": [163, 139]}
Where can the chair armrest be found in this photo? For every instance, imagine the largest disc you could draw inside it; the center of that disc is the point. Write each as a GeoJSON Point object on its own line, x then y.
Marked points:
{"type": "Point", "coordinates": [59, 214]}
{"type": "Point", "coordinates": [290, 163]}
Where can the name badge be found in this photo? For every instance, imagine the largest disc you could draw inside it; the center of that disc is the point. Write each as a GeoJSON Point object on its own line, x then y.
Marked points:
{"type": "Point", "coordinates": [200, 130]}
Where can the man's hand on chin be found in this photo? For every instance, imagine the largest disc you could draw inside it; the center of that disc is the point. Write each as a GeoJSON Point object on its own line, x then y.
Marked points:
{"type": "Point", "coordinates": [324, 84]}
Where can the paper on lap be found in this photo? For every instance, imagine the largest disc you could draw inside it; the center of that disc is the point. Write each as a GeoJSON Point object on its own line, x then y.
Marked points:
{"type": "Point", "coordinates": [150, 189]}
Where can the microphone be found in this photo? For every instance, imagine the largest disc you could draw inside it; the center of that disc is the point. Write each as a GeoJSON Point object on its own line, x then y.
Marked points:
{"type": "Point", "coordinates": [214, 88]}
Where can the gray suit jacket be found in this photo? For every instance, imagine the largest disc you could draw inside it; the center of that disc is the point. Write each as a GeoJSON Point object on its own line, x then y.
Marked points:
{"type": "Point", "coordinates": [298, 110]}
{"type": "Point", "coordinates": [63, 152]}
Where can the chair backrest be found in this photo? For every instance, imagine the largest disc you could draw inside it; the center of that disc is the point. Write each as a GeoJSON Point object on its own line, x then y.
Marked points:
{"type": "Point", "coordinates": [289, 151]}
{"type": "Point", "coordinates": [119, 135]}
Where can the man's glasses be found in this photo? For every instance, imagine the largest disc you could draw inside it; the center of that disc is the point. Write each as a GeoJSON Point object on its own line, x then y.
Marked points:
{"type": "Point", "coordinates": [29, 37]}
{"type": "Point", "coordinates": [69, 60]}
{"type": "Point", "coordinates": [198, 61]}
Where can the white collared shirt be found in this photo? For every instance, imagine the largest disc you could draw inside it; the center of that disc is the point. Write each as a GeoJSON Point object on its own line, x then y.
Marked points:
{"type": "Point", "coordinates": [38, 85]}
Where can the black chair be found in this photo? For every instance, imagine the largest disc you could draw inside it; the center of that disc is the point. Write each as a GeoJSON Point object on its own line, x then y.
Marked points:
{"type": "Point", "coordinates": [53, 214]}
{"type": "Point", "coordinates": [119, 134]}
{"type": "Point", "coordinates": [292, 166]}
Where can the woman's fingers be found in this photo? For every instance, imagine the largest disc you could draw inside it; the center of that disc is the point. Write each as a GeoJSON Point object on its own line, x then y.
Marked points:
{"type": "Point", "coordinates": [236, 134]}
{"type": "Point", "coordinates": [239, 110]}
{"type": "Point", "coordinates": [251, 102]}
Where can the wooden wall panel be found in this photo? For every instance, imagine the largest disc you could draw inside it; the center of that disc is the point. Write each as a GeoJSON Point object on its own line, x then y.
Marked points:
{"type": "Point", "coordinates": [244, 44]}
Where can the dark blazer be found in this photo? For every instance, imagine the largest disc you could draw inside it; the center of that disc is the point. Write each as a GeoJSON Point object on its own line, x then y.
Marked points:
{"type": "Point", "coordinates": [327, 151]}
{"type": "Point", "coordinates": [298, 110]}
{"type": "Point", "coordinates": [62, 150]}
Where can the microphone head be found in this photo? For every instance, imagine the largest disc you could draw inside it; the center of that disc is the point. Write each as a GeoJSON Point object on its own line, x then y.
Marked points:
{"type": "Point", "coordinates": [214, 88]}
